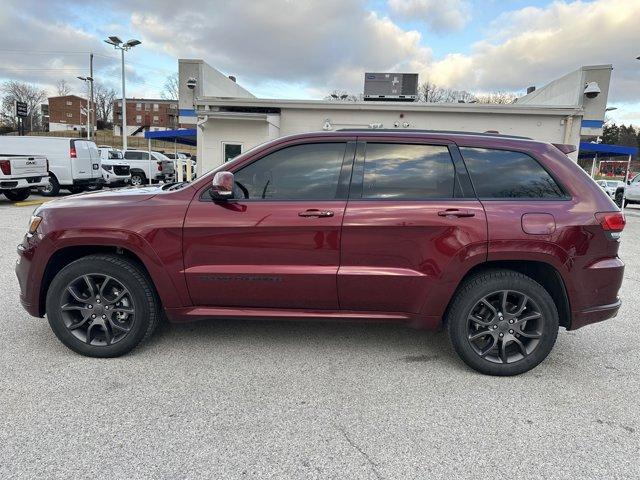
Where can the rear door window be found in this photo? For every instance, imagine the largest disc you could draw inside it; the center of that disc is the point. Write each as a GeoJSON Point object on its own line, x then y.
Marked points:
{"type": "Point", "coordinates": [498, 174]}
{"type": "Point", "coordinates": [395, 171]}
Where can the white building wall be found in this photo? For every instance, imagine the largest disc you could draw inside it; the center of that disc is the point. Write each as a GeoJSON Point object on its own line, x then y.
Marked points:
{"type": "Point", "coordinates": [214, 132]}
{"type": "Point", "coordinates": [65, 127]}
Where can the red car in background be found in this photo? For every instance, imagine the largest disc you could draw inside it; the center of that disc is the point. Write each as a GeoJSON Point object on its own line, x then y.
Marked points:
{"type": "Point", "coordinates": [500, 239]}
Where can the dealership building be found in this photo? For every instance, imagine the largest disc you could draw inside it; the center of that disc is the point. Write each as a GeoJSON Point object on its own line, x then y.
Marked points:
{"type": "Point", "coordinates": [225, 119]}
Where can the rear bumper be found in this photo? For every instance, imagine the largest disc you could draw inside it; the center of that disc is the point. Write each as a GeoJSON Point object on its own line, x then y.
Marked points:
{"type": "Point", "coordinates": [83, 182]}
{"type": "Point", "coordinates": [19, 183]}
{"type": "Point", "coordinates": [598, 299]}
{"type": "Point", "coordinates": [595, 314]}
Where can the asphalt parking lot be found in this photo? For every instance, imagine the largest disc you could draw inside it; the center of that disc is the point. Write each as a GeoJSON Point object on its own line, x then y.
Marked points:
{"type": "Point", "coordinates": [226, 399]}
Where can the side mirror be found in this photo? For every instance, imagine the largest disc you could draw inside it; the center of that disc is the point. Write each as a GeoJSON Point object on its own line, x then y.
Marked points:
{"type": "Point", "coordinates": [628, 182]}
{"type": "Point", "coordinates": [222, 186]}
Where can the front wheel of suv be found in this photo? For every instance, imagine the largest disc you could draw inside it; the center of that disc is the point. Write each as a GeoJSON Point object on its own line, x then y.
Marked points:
{"type": "Point", "coordinates": [102, 306]}
{"type": "Point", "coordinates": [502, 322]}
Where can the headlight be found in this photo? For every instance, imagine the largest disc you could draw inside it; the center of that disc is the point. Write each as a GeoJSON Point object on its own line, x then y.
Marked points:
{"type": "Point", "coordinates": [34, 223]}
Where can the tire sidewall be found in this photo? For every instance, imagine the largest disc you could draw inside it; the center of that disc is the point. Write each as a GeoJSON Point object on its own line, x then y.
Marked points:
{"type": "Point", "coordinates": [457, 323]}
{"type": "Point", "coordinates": [142, 179]}
{"type": "Point", "coordinates": [101, 267]}
{"type": "Point", "coordinates": [55, 187]}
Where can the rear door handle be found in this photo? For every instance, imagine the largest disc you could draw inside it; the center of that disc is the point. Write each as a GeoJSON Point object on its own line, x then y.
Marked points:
{"type": "Point", "coordinates": [454, 212]}
{"type": "Point", "coordinates": [314, 212]}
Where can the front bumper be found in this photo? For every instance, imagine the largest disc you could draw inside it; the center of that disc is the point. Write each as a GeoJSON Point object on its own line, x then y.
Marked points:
{"type": "Point", "coordinates": [32, 255]}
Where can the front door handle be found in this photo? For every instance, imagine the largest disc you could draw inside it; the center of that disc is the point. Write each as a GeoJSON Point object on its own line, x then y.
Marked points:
{"type": "Point", "coordinates": [454, 212]}
{"type": "Point", "coordinates": [314, 212]}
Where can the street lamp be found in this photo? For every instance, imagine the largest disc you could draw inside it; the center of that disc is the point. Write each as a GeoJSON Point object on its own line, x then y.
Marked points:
{"type": "Point", "coordinates": [89, 82]}
{"type": "Point", "coordinates": [123, 47]}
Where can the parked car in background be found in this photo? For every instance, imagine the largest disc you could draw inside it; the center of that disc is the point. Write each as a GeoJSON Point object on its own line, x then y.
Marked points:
{"type": "Point", "coordinates": [499, 239]}
{"type": "Point", "coordinates": [630, 191]}
{"type": "Point", "coordinates": [186, 160]}
{"type": "Point", "coordinates": [144, 168]}
{"type": "Point", "coordinates": [19, 174]}
{"type": "Point", "coordinates": [74, 163]}
{"type": "Point", "coordinates": [610, 186]}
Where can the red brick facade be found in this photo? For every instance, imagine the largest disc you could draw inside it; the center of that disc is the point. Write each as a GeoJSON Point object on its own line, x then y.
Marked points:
{"type": "Point", "coordinates": [144, 112]}
{"type": "Point", "coordinates": [67, 110]}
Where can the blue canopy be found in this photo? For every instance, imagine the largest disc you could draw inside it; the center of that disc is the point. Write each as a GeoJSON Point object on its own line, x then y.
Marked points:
{"type": "Point", "coordinates": [607, 150]}
{"type": "Point", "coordinates": [185, 136]}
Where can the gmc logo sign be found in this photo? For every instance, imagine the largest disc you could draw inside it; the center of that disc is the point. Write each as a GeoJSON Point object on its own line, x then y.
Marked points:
{"type": "Point", "coordinates": [30, 162]}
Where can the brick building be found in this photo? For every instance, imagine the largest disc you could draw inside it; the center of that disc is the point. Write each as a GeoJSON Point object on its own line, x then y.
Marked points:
{"type": "Point", "coordinates": [66, 113]}
{"type": "Point", "coordinates": [146, 114]}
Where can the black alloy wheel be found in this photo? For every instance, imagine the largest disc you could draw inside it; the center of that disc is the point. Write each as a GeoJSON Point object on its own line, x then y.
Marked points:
{"type": "Point", "coordinates": [98, 309]}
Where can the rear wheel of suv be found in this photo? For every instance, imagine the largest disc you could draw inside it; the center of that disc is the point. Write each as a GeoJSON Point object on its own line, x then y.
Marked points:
{"type": "Point", "coordinates": [502, 322]}
{"type": "Point", "coordinates": [102, 306]}
{"type": "Point", "coordinates": [17, 195]}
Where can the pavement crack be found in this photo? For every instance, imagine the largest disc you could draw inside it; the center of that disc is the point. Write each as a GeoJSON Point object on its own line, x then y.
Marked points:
{"type": "Point", "coordinates": [374, 467]}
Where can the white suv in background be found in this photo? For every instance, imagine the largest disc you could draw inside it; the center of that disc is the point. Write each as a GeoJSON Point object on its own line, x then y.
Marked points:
{"type": "Point", "coordinates": [157, 168]}
{"type": "Point", "coordinates": [115, 171]}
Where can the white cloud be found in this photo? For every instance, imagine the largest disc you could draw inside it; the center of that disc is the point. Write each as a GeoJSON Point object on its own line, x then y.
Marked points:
{"type": "Point", "coordinates": [534, 45]}
{"type": "Point", "coordinates": [438, 15]}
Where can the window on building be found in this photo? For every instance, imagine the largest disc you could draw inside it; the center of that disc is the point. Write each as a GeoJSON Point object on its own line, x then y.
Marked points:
{"type": "Point", "coordinates": [69, 103]}
{"type": "Point", "coordinates": [173, 106]}
{"type": "Point", "coordinates": [231, 151]}
{"type": "Point", "coordinates": [508, 174]}
{"type": "Point", "coordinates": [138, 119]}
{"type": "Point", "coordinates": [156, 119]}
{"type": "Point", "coordinates": [156, 107]}
{"type": "Point", "coordinates": [69, 115]}
{"type": "Point", "coordinates": [138, 106]}
{"type": "Point", "coordinates": [304, 172]}
{"type": "Point", "coordinates": [401, 171]}
{"type": "Point", "coordinates": [147, 107]}
{"type": "Point", "coordinates": [120, 104]}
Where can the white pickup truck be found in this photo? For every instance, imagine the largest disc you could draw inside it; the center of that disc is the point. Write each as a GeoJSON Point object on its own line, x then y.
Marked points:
{"type": "Point", "coordinates": [20, 173]}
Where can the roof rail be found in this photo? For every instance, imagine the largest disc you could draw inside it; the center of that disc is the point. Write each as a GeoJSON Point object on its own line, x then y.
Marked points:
{"type": "Point", "coordinates": [417, 130]}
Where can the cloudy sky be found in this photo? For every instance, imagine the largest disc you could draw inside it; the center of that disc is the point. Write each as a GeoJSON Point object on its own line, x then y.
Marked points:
{"type": "Point", "coordinates": [306, 48]}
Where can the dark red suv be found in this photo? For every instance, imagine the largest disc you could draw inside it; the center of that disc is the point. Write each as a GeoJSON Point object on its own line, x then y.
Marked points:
{"type": "Point", "coordinates": [500, 239]}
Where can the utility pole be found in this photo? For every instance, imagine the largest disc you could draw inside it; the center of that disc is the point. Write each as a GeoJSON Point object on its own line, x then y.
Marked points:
{"type": "Point", "coordinates": [124, 109]}
{"type": "Point", "coordinates": [91, 102]}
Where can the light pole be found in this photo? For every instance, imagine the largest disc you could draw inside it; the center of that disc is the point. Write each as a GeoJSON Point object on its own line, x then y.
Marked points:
{"type": "Point", "coordinates": [89, 82]}
{"type": "Point", "coordinates": [123, 47]}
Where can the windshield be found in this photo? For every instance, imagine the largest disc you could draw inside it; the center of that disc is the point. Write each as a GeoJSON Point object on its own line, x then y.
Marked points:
{"type": "Point", "coordinates": [612, 184]}
{"type": "Point", "coordinates": [114, 154]}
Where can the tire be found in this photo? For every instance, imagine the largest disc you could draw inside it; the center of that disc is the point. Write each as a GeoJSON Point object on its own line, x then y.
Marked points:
{"type": "Point", "coordinates": [618, 199]}
{"type": "Point", "coordinates": [138, 179]}
{"type": "Point", "coordinates": [527, 339]}
{"type": "Point", "coordinates": [17, 195]}
{"type": "Point", "coordinates": [135, 315]}
{"type": "Point", "coordinates": [53, 188]}
{"type": "Point", "coordinates": [76, 189]}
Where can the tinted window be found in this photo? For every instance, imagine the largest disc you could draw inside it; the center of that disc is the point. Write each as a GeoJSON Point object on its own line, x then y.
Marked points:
{"type": "Point", "coordinates": [508, 174]}
{"type": "Point", "coordinates": [303, 172]}
{"type": "Point", "coordinates": [398, 171]}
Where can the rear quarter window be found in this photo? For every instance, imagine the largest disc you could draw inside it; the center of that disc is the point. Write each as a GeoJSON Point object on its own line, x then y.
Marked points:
{"type": "Point", "coordinates": [500, 174]}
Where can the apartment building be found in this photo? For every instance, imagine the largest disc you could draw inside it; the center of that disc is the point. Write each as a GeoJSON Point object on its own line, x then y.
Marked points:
{"type": "Point", "coordinates": [145, 115]}
{"type": "Point", "coordinates": [67, 113]}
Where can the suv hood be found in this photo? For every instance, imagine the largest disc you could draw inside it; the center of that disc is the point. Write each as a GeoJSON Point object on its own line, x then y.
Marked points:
{"type": "Point", "coordinates": [106, 197]}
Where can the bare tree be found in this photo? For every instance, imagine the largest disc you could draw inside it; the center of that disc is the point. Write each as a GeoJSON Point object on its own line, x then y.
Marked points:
{"type": "Point", "coordinates": [342, 96]}
{"type": "Point", "coordinates": [171, 87]}
{"type": "Point", "coordinates": [500, 97]}
{"type": "Point", "coordinates": [103, 97]}
{"type": "Point", "coordinates": [62, 88]}
{"type": "Point", "coordinates": [429, 92]}
{"type": "Point", "coordinates": [28, 93]}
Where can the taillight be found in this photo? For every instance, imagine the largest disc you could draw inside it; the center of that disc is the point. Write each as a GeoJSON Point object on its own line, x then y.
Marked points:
{"type": "Point", "coordinates": [5, 166]}
{"type": "Point", "coordinates": [159, 166]}
{"type": "Point", "coordinates": [72, 152]}
{"type": "Point", "coordinates": [611, 222]}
